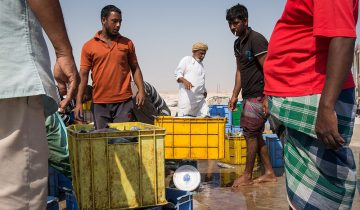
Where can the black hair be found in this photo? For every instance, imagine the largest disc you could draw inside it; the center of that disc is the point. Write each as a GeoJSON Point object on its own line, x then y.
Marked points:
{"type": "Point", "coordinates": [238, 11]}
{"type": "Point", "coordinates": [105, 12]}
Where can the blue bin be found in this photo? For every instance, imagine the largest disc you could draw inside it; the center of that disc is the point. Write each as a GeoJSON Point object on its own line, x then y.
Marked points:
{"type": "Point", "coordinates": [154, 208]}
{"type": "Point", "coordinates": [53, 182]}
{"type": "Point", "coordinates": [52, 203]}
{"type": "Point", "coordinates": [232, 129]}
{"type": "Point", "coordinates": [275, 149]}
{"type": "Point", "coordinates": [64, 182]}
{"type": "Point", "coordinates": [220, 111]}
{"type": "Point", "coordinates": [181, 199]}
{"type": "Point", "coordinates": [71, 203]}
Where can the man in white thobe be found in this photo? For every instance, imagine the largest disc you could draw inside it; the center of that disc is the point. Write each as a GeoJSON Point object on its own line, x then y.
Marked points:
{"type": "Point", "coordinates": [190, 74]}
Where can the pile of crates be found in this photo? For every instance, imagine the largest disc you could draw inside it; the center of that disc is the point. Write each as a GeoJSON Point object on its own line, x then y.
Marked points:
{"type": "Point", "coordinates": [235, 144]}
{"type": "Point", "coordinates": [233, 118]}
{"type": "Point", "coordinates": [235, 150]}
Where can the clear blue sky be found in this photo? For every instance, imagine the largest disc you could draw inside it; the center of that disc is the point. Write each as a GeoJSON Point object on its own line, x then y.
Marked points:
{"type": "Point", "coordinates": [163, 32]}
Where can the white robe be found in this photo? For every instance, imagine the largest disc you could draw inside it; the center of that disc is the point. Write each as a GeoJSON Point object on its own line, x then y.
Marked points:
{"type": "Point", "coordinates": [191, 102]}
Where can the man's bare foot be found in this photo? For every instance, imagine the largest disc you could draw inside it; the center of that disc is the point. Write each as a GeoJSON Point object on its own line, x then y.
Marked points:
{"type": "Point", "coordinates": [244, 180]}
{"type": "Point", "coordinates": [266, 178]}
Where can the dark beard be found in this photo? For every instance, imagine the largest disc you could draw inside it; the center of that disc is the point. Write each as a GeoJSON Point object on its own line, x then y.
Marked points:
{"type": "Point", "coordinates": [111, 35]}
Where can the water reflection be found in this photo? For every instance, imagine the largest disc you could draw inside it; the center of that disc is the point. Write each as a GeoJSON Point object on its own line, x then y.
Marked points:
{"type": "Point", "coordinates": [215, 191]}
{"type": "Point", "coordinates": [224, 177]}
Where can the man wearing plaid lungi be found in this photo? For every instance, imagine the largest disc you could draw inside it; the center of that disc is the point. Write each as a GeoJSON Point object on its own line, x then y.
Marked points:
{"type": "Point", "coordinates": [250, 50]}
{"type": "Point", "coordinates": [311, 98]}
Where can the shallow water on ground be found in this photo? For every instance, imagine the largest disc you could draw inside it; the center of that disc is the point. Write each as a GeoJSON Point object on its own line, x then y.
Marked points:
{"type": "Point", "coordinates": [215, 191]}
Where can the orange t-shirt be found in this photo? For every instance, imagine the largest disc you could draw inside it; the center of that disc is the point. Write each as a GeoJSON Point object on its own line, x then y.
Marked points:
{"type": "Point", "coordinates": [110, 68]}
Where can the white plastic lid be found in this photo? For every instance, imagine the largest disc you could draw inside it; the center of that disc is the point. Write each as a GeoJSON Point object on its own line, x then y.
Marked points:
{"type": "Point", "coordinates": [186, 178]}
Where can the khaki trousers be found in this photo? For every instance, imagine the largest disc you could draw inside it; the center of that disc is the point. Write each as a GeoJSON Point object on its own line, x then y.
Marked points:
{"type": "Point", "coordinates": [23, 154]}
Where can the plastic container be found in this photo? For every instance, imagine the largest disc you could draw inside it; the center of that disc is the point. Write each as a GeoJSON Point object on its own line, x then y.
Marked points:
{"type": "Point", "coordinates": [64, 182]}
{"type": "Point", "coordinates": [71, 203]}
{"type": "Point", "coordinates": [53, 182]}
{"type": "Point", "coordinates": [155, 208]}
{"type": "Point", "coordinates": [52, 203]}
{"type": "Point", "coordinates": [235, 150]}
{"type": "Point", "coordinates": [275, 149]}
{"type": "Point", "coordinates": [233, 130]}
{"type": "Point", "coordinates": [86, 105]}
{"type": "Point", "coordinates": [223, 111]}
{"type": "Point", "coordinates": [220, 111]}
{"type": "Point", "coordinates": [108, 175]}
{"type": "Point", "coordinates": [193, 138]}
{"type": "Point", "coordinates": [182, 199]}
{"type": "Point", "coordinates": [235, 115]}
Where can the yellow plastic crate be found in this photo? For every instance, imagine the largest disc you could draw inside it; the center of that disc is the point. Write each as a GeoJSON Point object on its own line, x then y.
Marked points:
{"type": "Point", "coordinates": [193, 138]}
{"type": "Point", "coordinates": [86, 105]}
{"type": "Point", "coordinates": [117, 175]}
{"type": "Point", "coordinates": [235, 150]}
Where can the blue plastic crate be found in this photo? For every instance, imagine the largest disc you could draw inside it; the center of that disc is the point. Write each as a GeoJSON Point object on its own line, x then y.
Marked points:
{"type": "Point", "coordinates": [220, 111]}
{"type": "Point", "coordinates": [52, 203]}
{"type": "Point", "coordinates": [275, 149]}
{"type": "Point", "coordinates": [71, 203]}
{"type": "Point", "coordinates": [181, 199]}
{"type": "Point", "coordinates": [232, 129]}
{"type": "Point", "coordinates": [269, 136]}
{"type": "Point", "coordinates": [64, 181]}
{"type": "Point", "coordinates": [155, 208]}
{"type": "Point", "coordinates": [53, 182]}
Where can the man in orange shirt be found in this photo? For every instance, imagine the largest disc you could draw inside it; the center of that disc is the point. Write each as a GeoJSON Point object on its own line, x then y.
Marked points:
{"type": "Point", "coordinates": [111, 58]}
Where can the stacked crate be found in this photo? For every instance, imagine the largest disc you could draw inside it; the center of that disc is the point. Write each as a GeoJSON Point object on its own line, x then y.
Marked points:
{"type": "Point", "coordinates": [235, 150]}
{"type": "Point", "coordinates": [235, 144]}
{"type": "Point", "coordinates": [233, 118]}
